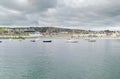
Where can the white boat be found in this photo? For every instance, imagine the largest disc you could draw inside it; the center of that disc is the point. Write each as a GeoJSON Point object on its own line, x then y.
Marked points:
{"type": "Point", "coordinates": [91, 40]}
{"type": "Point", "coordinates": [72, 41]}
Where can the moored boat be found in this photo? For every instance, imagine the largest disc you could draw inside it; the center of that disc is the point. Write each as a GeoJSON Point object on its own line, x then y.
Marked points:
{"type": "Point", "coordinates": [72, 41]}
{"type": "Point", "coordinates": [0, 41]}
{"type": "Point", "coordinates": [91, 40]}
{"type": "Point", "coordinates": [33, 40]}
{"type": "Point", "coordinates": [47, 41]}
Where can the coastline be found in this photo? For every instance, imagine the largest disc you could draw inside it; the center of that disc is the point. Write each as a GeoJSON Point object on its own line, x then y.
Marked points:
{"type": "Point", "coordinates": [55, 37]}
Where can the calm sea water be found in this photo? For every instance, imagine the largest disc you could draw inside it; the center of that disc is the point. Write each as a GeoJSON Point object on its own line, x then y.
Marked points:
{"type": "Point", "coordinates": [60, 60]}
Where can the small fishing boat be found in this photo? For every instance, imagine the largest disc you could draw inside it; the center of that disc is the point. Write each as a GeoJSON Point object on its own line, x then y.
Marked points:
{"type": "Point", "coordinates": [33, 40]}
{"type": "Point", "coordinates": [0, 41]}
{"type": "Point", "coordinates": [47, 41]}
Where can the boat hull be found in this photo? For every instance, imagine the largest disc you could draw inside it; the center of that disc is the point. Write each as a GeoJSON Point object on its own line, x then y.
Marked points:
{"type": "Point", "coordinates": [32, 40]}
{"type": "Point", "coordinates": [47, 41]}
{"type": "Point", "coordinates": [91, 40]}
{"type": "Point", "coordinates": [72, 41]}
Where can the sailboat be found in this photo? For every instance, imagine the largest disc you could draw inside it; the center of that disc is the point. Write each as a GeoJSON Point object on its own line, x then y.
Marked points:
{"type": "Point", "coordinates": [92, 39]}
{"type": "Point", "coordinates": [72, 39]}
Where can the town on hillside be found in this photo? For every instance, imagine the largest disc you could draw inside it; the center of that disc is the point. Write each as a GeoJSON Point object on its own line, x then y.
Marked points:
{"type": "Point", "coordinates": [54, 32]}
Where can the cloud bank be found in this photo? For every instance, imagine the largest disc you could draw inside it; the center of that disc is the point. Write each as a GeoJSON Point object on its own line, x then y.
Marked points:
{"type": "Point", "coordinates": [88, 14]}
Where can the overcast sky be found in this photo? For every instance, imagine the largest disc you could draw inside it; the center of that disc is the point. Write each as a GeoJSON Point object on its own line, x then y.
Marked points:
{"type": "Point", "coordinates": [87, 14]}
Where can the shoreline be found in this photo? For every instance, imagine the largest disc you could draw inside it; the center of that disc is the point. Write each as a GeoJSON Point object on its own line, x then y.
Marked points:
{"type": "Point", "coordinates": [54, 37]}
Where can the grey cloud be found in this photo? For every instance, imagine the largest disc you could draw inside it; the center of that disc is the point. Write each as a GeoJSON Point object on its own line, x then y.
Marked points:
{"type": "Point", "coordinates": [83, 13]}
{"type": "Point", "coordinates": [28, 5]}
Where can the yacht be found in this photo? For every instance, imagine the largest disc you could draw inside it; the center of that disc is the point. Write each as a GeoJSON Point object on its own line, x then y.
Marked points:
{"type": "Point", "coordinates": [72, 41]}
{"type": "Point", "coordinates": [91, 40]}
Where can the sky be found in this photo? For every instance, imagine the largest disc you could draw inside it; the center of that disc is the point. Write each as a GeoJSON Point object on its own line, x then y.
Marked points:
{"type": "Point", "coordinates": [84, 14]}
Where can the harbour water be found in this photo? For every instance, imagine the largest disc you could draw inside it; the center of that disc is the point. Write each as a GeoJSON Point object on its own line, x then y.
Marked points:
{"type": "Point", "coordinates": [60, 60]}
